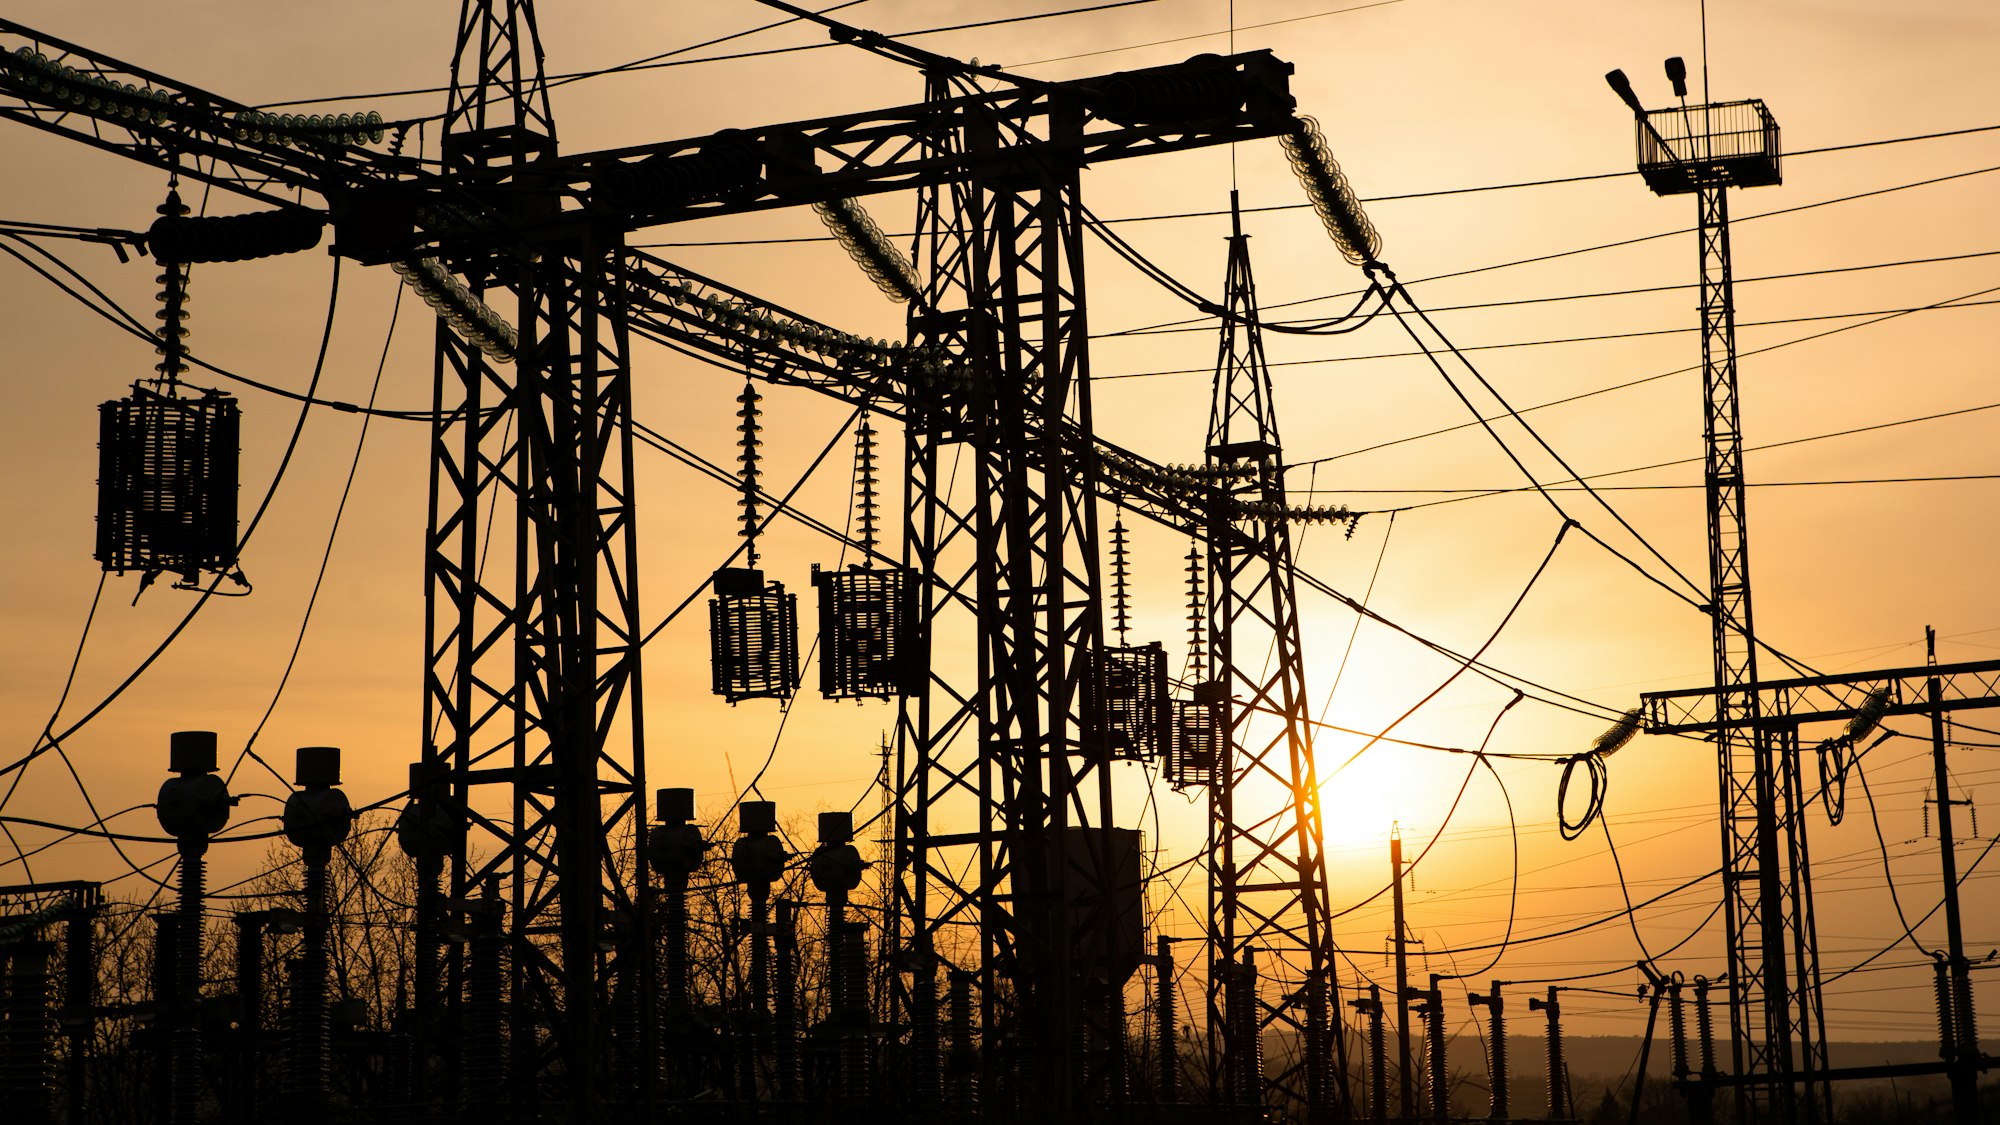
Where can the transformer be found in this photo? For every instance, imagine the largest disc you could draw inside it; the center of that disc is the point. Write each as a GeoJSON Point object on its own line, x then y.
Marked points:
{"type": "Point", "coordinates": [867, 633]}
{"type": "Point", "coordinates": [1125, 704]}
{"type": "Point", "coordinates": [166, 484]}
{"type": "Point", "coordinates": [753, 637]}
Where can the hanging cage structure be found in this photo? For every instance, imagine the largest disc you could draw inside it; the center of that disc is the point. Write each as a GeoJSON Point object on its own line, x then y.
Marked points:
{"type": "Point", "coordinates": [1126, 709]}
{"type": "Point", "coordinates": [1201, 730]}
{"type": "Point", "coordinates": [867, 633]}
{"type": "Point", "coordinates": [753, 635]}
{"type": "Point", "coordinates": [1732, 144]}
{"type": "Point", "coordinates": [166, 484]}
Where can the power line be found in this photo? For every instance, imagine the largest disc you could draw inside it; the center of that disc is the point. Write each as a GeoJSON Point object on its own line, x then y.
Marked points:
{"type": "Point", "coordinates": [1492, 491]}
{"type": "Point", "coordinates": [670, 59]}
{"type": "Point", "coordinates": [1562, 297]}
{"type": "Point", "coordinates": [1399, 197]}
{"type": "Point", "coordinates": [1644, 379]}
{"type": "Point", "coordinates": [1877, 314]}
{"type": "Point", "coordinates": [1747, 449]}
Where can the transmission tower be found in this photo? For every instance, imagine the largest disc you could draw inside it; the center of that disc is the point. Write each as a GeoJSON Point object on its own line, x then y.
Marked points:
{"type": "Point", "coordinates": [532, 769]}
{"type": "Point", "coordinates": [533, 717]}
{"type": "Point", "coordinates": [1268, 888]}
{"type": "Point", "coordinates": [1777, 1026]}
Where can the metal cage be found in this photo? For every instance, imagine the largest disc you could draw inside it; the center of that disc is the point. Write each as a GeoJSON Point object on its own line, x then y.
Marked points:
{"type": "Point", "coordinates": [166, 483]}
{"type": "Point", "coordinates": [1126, 713]}
{"type": "Point", "coordinates": [753, 637]}
{"type": "Point", "coordinates": [1734, 144]}
{"type": "Point", "coordinates": [1201, 730]}
{"type": "Point", "coordinates": [867, 622]}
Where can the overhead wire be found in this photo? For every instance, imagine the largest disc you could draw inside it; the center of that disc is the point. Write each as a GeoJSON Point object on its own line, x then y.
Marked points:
{"type": "Point", "coordinates": [1478, 494]}
{"type": "Point", "coordinates": [671, 59]}
{"type": "Point", "coordinates": [326, 555]}
{"type": "Point", "coordinates": [1741, 353]}
{"type": "Point", "coordinates": [1871, 316]}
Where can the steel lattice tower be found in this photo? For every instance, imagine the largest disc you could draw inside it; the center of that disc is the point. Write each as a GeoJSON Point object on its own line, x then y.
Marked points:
{"type": "Point", "coordinates": [532, 701]}
{"type": "Point", "coordinates": [1001, 517]}
{"type": "Point", "coordinates": [1268, 869]}
{"type": "Point", "coordinates": [1777, 1025]}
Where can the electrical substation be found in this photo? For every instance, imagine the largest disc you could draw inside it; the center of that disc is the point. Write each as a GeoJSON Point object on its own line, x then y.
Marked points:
{"type": "Point", "coordinates": [976, 942]}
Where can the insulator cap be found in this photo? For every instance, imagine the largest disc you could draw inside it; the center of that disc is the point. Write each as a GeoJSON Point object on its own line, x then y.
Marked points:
{"type": "Point", "coordinates": [191, 752]}
{"type": "Point", "coordinates": [755, 818]}
{"type": "Point", "coordinates": [836, 828]}
{"type": "Point", "coordinates": [317, 766]}
{"type": "Point", "coordinates": [673, 806]}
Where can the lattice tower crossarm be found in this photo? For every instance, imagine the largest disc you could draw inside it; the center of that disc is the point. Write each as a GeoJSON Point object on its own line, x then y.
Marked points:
{"type": "Point", "coordinates": [1267, 856]}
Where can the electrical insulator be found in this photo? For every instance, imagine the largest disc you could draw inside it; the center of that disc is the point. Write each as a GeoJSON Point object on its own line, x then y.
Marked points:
{"type": "Point", "coordinates": [1121, 576]}
{"type": "Point", "coordinates": [93, 94]}
{"type": "Point", "coordinates": [1197, 617]}
{"type": "Point", "coordinates": [1204, 87]}
{"type": "Point", "coordinates": [886, 265]}
{"type": "Point", "coordinates": [749, 442]}
{"type": "Point", "coordinates": [866, 504]}
{"type": "Point", "coordinates": [459, 307]}
{"type": "Point", "coordinates": [234, 238]}
{"type": "Point", "coordinates": [729, 164]}
{"type": "Point", "coordinates": [1332, 197]}
{"type": "Point", "coordinates": [290, 129]}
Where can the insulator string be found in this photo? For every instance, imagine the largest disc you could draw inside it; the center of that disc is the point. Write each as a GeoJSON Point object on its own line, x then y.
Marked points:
{"type": "Point", "coordinates": [749, 442]}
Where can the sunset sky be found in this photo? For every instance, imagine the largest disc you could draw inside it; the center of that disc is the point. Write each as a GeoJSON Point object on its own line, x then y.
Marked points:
{"type": "Point", "coordinates": [1497, 166]}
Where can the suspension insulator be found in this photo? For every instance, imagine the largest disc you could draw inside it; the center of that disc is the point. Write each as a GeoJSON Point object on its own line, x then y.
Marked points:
{"type": "Point", "coordinates": [1331, 195]}
{"type": "Point", "coordinates": [1204, 87]}
{"type": "Point", "coordinates": [290, 129]}
{"type": "Point", "coordinates": [885, 264]}
{"type": "Point", "coordinates": [234, 238]}
{"type": "Point", "coordinates": [93, 94]}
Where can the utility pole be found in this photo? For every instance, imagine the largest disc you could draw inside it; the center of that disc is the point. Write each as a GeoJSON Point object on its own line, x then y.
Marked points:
{"type": "Point", "coordinates": [1962, 1044]}
{"type": "Point", "coordinates": [1404, 1087]}
{"type": "Point", "coordinates": [1863, 699]}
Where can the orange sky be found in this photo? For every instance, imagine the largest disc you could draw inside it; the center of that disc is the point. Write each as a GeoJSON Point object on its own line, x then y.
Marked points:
{"type": "Point", "coordinates": [1415, 96]}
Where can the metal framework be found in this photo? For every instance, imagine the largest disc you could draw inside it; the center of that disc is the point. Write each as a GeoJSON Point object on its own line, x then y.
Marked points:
{"type": "Point", "coordinates": [533, 760]}
{"type": "Point", "coordinates": [1780, 708]}
{"type": "Point", "coordinates": [1774, 989]}
{"type": "Point", "coordinates": [533, 693]}
{"type": "Point", "coordinates": [1268, 886]}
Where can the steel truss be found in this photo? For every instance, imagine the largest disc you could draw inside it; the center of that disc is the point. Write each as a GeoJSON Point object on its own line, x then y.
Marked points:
{"type": "Point", "coordinates": [1268, 890]}
{"type": "Point", "coordinates": [532, 765]}
{"type": "Point", "coordinates": [533, 687]}
{"type": "Point", "coordinates": [994, 771]}
{"type": "Point", "coordinates": [1767, 913]}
